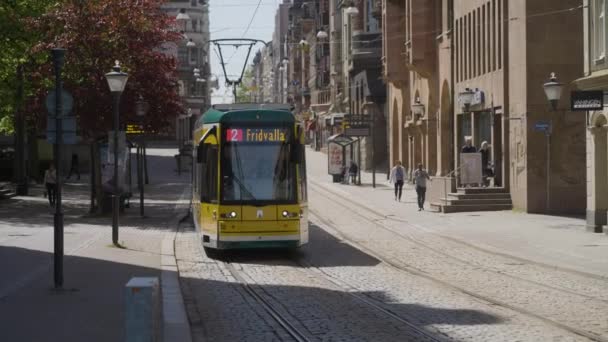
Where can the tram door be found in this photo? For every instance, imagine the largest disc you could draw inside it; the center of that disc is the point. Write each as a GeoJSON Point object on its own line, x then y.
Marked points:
{"type": "Point", "coordinates": [209, 188]}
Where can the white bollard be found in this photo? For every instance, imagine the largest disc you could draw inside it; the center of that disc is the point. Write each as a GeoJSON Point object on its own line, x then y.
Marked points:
{"type": "Point", "coordinates": [142, 310]}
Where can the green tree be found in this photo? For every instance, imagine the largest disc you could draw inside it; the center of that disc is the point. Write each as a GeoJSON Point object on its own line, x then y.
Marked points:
{"type": "Point", "coordinates": [15, 42]}
{"type": "Point", "coordinates": [245, 88]}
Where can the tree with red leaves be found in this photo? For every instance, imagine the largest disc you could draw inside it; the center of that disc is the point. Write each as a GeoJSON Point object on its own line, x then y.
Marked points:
{"type": "Point", "coordinates": [96, 33]}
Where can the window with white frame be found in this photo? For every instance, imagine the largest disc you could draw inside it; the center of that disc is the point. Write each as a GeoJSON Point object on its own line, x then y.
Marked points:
{"type": "Point", "coordinates": [598, 31]}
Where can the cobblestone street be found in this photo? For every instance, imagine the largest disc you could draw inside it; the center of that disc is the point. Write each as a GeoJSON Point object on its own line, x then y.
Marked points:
{"type": "Point", "coordinates": [372, 274]}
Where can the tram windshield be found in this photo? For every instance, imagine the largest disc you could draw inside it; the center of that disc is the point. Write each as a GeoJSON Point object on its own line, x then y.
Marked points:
{"type": "Point", "coordinates": [256, 166]}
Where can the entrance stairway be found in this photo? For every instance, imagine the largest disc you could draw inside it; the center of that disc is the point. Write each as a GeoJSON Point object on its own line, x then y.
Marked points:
{"type": "Point", "coordinates": [475, 199]}
{"type": "Point", "coordinates": [6, 191]}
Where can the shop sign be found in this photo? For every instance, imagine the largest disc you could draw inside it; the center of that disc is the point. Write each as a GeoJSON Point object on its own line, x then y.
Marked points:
{"type": "Point", "coordinates": [587, 100]}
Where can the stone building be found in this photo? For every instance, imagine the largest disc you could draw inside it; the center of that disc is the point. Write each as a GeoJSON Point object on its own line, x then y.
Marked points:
{"type": "Point", "coordinates": [596, 78]}
{"type": "Point", "coordinates": [476, 69]}
{"type": "Point", "coordinates": [192, 19]}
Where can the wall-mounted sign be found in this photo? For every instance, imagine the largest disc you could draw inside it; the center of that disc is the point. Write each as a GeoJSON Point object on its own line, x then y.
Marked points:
{"type": "Point", "coordinates": [478, 98]}
{"type": "Point", "coordinates": [587, 100]}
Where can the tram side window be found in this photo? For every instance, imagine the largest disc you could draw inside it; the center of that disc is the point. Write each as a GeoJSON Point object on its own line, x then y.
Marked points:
{"type": "Point", "coordinates": [209, 172]}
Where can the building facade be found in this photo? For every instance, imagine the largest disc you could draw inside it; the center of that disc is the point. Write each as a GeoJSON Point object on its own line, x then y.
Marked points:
{"type": "Point", "coordinates": [596, 78]}
{"type": "Point", "coordinates": [192, 53]}
{"type": "Point", "coordinates": [497, 54]}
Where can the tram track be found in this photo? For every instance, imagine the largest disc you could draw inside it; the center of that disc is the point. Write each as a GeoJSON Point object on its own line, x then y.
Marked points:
{"type": "Point", "coordinates": [307, 268]}
{"type": "Point", "coordinates": [408, 269]}
{"type": "Point", "coordinates": [383, 217]}
{"type": "Point", "coordinates": [280, 318]}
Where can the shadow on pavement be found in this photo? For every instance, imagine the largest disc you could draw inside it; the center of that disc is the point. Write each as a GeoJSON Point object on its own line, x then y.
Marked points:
{"type": "Point", "coordinates": [91, 309]}
{"type": "Point", "coordinates": [337, 253]}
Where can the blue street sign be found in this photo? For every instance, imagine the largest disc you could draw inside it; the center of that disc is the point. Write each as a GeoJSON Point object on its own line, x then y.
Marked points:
{"type": "Point", "coordinates": [67, 102]}
{"type": "Point", "coordinates": [542, 126]}
{"type": "Point", "coordinates": [68, 128]}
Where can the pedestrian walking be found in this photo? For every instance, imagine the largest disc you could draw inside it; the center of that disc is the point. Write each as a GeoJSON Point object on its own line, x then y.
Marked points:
{"type": "Point", "coordinates": [396, 178]}
{"type": "Point", "coordinates": [50, 181]}
{"type": "Point", "coordinates": [74, 166]}
{"type": "Point", "coordinates": [420, 178]}
{"type": "Point", "coordinates": [352, 172]}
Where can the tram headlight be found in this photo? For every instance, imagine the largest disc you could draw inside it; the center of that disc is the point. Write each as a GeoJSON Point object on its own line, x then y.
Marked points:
{"type": "Point", "coordinates": [285, 213]}
{"type": "Point", "coordinates": [230, 215]}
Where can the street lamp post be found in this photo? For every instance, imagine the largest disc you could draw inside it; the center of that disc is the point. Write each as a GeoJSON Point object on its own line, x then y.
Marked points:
{"type": "Point", "coordinates": [553, 91]}
{"type": "Point", "coordinates": [117, 80]}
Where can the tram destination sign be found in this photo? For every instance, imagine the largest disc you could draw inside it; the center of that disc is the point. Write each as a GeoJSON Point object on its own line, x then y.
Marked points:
{"type": "Point", "coordinates": [257, 135]}
{"type": "Point", "coordinates": [587, 100]}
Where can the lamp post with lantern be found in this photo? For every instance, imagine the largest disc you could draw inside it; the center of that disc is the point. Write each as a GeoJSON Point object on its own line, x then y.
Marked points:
{"type": "Point", "coordinates": [553, 92]}
{"type": "Point", "coordinates": [117, 80]}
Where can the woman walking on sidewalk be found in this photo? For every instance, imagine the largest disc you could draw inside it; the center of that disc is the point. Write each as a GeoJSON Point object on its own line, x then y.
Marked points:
{"type": "Point", "coordinates": [420, 178]}
{"type": "Point", "coordinates": [50, 181]}
{"type": "Point", "coordinates": [397, 176]}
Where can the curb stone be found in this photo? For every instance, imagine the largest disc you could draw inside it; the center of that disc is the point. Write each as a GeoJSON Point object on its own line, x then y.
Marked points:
{"type": "Point", "coordinates": [176, 326]}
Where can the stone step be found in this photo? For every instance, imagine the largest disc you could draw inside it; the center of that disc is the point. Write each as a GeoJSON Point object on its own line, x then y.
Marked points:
{"type": "Point", "coordinates": [467, 201]}
{"type": "Point", "coordinates": [475, 207]}
{"type": "Point", "coordinates": [482, 190]}
{"type": "Point", "coordinates": [498, 196]}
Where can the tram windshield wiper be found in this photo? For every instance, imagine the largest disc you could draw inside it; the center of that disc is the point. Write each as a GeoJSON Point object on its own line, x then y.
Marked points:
{"type": "Point", "coordinates": [243, 188]}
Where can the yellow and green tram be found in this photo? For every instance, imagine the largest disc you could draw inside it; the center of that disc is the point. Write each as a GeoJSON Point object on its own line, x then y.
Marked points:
{"type": "Point", "coordinates": [249, 177]}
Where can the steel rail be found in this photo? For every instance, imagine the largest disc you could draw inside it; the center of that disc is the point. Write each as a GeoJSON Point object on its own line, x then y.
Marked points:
{"type": "Point", "coordinates": [411, 270]}
{"type": "Point", "coordinates": [267, 306]}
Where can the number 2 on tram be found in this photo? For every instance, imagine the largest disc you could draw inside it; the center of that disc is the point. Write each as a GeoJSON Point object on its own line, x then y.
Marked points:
{"type": "Point", "coordinates": [249, 179]}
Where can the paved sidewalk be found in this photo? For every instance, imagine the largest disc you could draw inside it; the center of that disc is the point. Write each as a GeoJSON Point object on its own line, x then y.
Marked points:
{"type": "Point", "coordinates": [95, 272]}
{"type": "Point", "coordinates": [557, 241]}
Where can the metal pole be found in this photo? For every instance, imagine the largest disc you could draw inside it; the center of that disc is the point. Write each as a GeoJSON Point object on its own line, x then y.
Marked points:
{"type": "Point", "coordinates": [140, 180]}
{"type": "Point", "coordinates": [373, 149]}
{"type": "Point", "coordinates": [116, 194]}
{"type": "Point", "coordinates": [548, 134]}
{"type": "Point", "coordinates": [20, 169]}
{"type": "Point", "coordinates": [58, 58]}
{"type": "Point", "coordinates": [147, 180]}
{"type": "Point", "coordinates": [359, 161]}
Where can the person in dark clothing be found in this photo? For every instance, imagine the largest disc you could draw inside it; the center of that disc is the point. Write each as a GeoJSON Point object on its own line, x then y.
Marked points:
{"type": "Point", "coordinates": [420, 178]}
{"type": "Point", "coordinates": [468, 146]}
{"type": "Point", "coordinates": [352, 172]}
{"type": "Point", "coordinates": [485, 159]}
{"type": "Point", "coordinates": [397, 177]}
{"type": "Point", "coordinates": [74, 167]}
{"type": "Point", "coordinates": [50, 181]}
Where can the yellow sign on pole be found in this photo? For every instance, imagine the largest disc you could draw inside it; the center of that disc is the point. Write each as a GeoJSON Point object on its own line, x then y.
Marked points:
{"type": "Point", "coordinates": [135, 129]}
